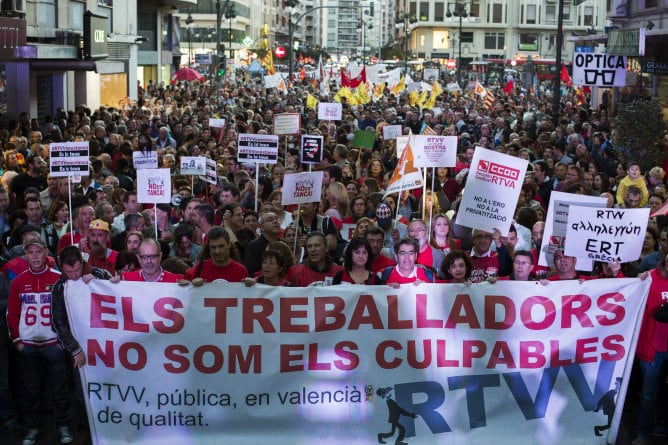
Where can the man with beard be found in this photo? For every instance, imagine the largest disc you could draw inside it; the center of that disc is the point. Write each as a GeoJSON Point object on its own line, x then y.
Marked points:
{"type": "Point", "coordinates": [97, 254]}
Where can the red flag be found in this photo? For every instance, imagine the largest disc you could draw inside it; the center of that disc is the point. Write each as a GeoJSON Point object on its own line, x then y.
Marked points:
{"type": "Point", "coordinates": [302, 74]}
{"type": "Point", "coordinates": [510, 86]}
{"type": "Point", "coordinates": [353, 82]}
{"type": "Point", "coordinates": [565, 77]}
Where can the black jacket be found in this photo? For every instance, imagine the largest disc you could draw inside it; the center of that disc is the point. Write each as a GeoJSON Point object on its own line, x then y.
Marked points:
{"type": "Point", "coordinates": [59, 320]}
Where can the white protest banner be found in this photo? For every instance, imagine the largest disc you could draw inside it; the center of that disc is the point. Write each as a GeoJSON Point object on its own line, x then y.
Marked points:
{"type": "Point", "coordinates": [287, 123]}
{"type": "Point", "coordinates": [193, 165]}
{"type": "Point", "coordinates": [330, 111]}
{"type": "Point", "coordinates": [142, 159]}
{"type": "Point", "coordinates": [302, 188]}
{"type": "Point", "coordinates": [492, 188]}
{"type": "Point", "coordinates": [272, 80]}
{"type": "Point", "coordinates": [311, 149]}
{"type": "Point", "coordinates": [512, 362]}
{"type": "Point", "coordinates": [154, 186]}
{"type": "Point", "coordinates": [452, 86]}
{"type": "Point", "coordinates": [392, 131]}
{"type": "Point", "coordinates": [606, 234]}
{"type": "Point", "coordinates": [69, 159]}
{"type": "Point", "coordinates": [216, 123]}
{"type": "Point", "coordinates": [257, 148]}
{"type": "Point", "coordinates": [556, 226]}
{"type": "Point", "coordinates": [599, 69]}
{"type": "Point", "coordinates": [434, 151]}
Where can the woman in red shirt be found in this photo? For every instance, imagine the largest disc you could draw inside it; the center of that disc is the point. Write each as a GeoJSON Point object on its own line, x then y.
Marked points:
{"type": "Point", "coordinates": [442, 235]}
{"type": "Point", "coordinates": [357, 264]}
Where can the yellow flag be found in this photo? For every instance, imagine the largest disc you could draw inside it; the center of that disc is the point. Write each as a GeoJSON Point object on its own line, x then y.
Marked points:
{"type": "Point", "coordinates": [422, 98]}
{"type": "Point", "coordinates": [378, 90]}
{"type": "Point", "coordinates": [413, 98]}
{"type": "Point", "coordinates": [311, 101]}
{"type": "Point", "coordinates": [399, 87]}
{"type": "Point", "coordinates": [362, 94]}
{"type": "Point", "coordinates": [436, 89]}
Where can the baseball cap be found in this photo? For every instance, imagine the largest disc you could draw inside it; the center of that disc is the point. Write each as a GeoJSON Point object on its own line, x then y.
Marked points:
{"type": "Point", "coordinates": [383, 213]}
{"type": "Point", "coordinates": [34, 242]}
{"type": "Point", "coordinates": [98, 224]}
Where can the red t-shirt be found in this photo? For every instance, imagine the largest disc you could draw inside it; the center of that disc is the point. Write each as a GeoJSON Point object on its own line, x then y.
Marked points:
{"type": "Point", "coordinates": [165, 277]}
{"type": "Point", "coordinates": [418, 274]}
{"type": "Point", "coordinates": [380, 263]}
{"type": "Point", "coordinates": [484, 267]}
{"type": "Point", "coordinates": [303, 276]}
{"type": "Point", "coordinates": [234, 272]}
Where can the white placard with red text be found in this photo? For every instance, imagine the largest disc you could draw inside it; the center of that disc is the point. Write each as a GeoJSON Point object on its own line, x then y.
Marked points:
{"type": "Point", "coordinates": [434, 151]}
{"type": "Point", "coordinates": [154, 185]}
{"type": "Point", "coordinates": [301, 188]}
{"type": "Point", "coordinates": [493, 185]}
{"type": "Point", "coordinates": [513, 362]}
{"type": "Point", "coordinates": [330, 111]}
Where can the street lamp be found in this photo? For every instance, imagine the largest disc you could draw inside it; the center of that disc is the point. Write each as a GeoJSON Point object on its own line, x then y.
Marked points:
{"type": "Point", "coordinates": [459, 11]}
{"type": "Point", "coordinates": [406, 21]}
{"type": "Point", "coordinates": [190, 27]}
{"type": "Point", "coordinates": [290, 6]}
{"type": "Point", "coordinates": [364, 24]}
{"type": "Point", "coordinates": [230, 14]}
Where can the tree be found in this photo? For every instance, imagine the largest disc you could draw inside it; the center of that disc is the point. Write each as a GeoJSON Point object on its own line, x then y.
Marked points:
{"type": "Point", "coordinates": [637, 133]}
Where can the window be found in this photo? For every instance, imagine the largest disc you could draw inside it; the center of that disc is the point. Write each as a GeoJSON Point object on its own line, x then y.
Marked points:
{"type": "Point", "coordinates": [588, 16]}
{"type": "Point", "coordinates": [438, 12]}
{"type": "Point", "coordinates": [551, 12]}
{"type": "Point", "coordinates": [497, 13]}
{"type": "Point", "coordinates": [467, 37]}
{"type": "Point", "coordinates": [495, 40]}
{"type": "Point", "coordinates": [531, 15]}
{"type": "Point", "coordinates": [528, 42]}
{"type": "Point", "coordinates": [567, 12]}
{"type": "Point", "coordinates": [651, 3]}
{"type": "Point", "coordinates": [412, 9]}
{"type": "Point", "coordinates": [475, 9]}
{"type": "Point", "coordinates": [424, 11]}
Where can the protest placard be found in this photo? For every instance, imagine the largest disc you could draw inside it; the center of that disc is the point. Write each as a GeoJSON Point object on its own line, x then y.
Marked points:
{"type": "Point", "coordinates": [347, 231]}
{"type": "Point", "coordinates": [330, 111]}
{"type": "Point", "coordinates": [512, 363]}
{"type": "Point", "coordinates": [69, 159]}
{"type": "Point", "coordinates": [434, 151]}
{"type": "Point", "coordinates": [556, 226]}
{"type": "Point", "coordinates": [287, 123]}
{"type": "Point", "coordinates": [392, 131]}
{"type": "Point", "coordinates": [311, 151]}
{"type": "Point", "coordinates": [144, 159]}
{"type": "Point", "coordinates": [606, 234]}
{"type": "Point", "coordinates": [154, 185]}
{"type": "Point", "coordinates": [364, 139]}
{"type": "Point", "coordinates": [193, 165]}
{"type": "Point", "coordinates": [492, 188]}
{"type": "Point", "coordinates": [216, 123]}
{"type": "Point", "coordinates": [302, 188]}
{"type": "Point", "coordinates": [211, 176]}
{"type": "Point", "coordinates": [257, 148]}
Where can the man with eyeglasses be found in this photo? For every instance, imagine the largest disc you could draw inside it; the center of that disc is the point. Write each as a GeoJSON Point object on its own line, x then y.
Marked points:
{"type": "Point", "coordinates": [485, 262]}
{"type": "Point", "coordinates": [428, 256]}
{"type": "Point", "coordinates": [407, 270]}
{"type": "Point", "coordinates": [522, 266]}
{"type": "Point", "coordinates": [150, 255]}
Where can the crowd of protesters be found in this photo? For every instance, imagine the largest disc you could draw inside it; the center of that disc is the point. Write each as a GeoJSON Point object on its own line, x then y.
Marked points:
{"type": "Point", "coordinates": [214, 232]}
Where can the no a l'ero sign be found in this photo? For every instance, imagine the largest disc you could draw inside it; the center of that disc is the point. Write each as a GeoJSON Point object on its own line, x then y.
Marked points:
{"type": "Point", "coordinates": [603, 70]}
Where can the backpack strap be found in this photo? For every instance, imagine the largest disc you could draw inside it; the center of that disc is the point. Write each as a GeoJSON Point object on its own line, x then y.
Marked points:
{"type": "Point", "coordinates": [386, 274]}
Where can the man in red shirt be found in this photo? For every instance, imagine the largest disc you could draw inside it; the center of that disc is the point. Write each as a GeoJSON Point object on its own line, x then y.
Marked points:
{"type": "Point", "coordinates": [219, 265]}
{"type": "Point", "coordinates": [318, 269]}
{"type": "Point", "coordinates": [565, 266]}
{"type": "Point", "coordinates": [41, 360]}
{"type": "Point", "coordinates": [407, 270]}
{"type": "Point", "coordinates": [485, 261]}
{"type": "Point", "coordinates": [151, 270]}
{"type": "Point", "coordinates": [376, 238]}
{"type": "Point", "coordinates": [98, 254]}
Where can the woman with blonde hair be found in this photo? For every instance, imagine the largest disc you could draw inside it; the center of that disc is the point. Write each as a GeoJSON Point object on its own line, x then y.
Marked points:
{"type": "Point", "coordinates": [336, 197]}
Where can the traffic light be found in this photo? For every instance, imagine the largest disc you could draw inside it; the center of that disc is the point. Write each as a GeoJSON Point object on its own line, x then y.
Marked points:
{"type": "Point", "coordinates": [220, 67]}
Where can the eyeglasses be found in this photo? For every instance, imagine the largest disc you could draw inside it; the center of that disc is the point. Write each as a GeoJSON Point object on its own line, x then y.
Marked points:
{"type": "Point", "coordinates": [149, 257]}
{"type": "Point", "coordinates": [406, 252]}
{"type": "Point", "coordinates": [522, 263]}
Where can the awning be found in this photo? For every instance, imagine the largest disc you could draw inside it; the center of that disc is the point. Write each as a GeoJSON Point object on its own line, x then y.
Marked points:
{"type": "Point", "coordinates": [99, 66]}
